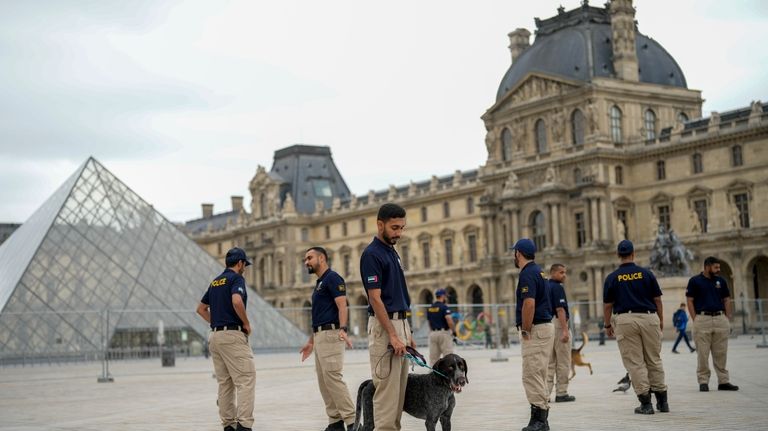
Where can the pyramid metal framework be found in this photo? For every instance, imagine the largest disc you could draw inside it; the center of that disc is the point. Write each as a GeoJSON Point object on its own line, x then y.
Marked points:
{"type": "Point", "coordinates": [94, 246]}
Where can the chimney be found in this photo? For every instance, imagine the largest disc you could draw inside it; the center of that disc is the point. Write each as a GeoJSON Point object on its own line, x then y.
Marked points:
{"type": "Point", "coordinates": [519, 41]}
{"type": "Point", "coordinates": [207, 210]}
{"type": "Point", "coordinates": [237, 203]}
{"type": "Point", "coordinates": [623, 38]}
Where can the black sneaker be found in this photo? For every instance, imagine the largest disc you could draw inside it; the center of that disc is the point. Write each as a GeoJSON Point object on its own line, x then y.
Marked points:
{"type": "Point", "coordinates": [564, 398]}
{"type": "Point", "coordinates": [229, 428]}
{"type": "Point", "coordinates": [703, 387]}
{"type": "Point", "coordinates": [693, 349]}
{"type": "Point", "coordinates": [351, 427]}
{"type": "Point", "coordinates": [727, 387]}
{"type": "Point", "coordinates": [242, 428]}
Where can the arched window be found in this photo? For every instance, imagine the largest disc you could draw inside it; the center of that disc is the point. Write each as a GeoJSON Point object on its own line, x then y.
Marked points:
{"type": "Point", "coordinates": [615, 124]}
{"type": "Point", "coordinates": [577, 175]}
{"type": "Point", "coordinates": [697, 164]}
{"type": "Point", "coordinates": [577, 127]}
{"type": "Point", "coordinates": [682, 117]}
{"type": "Point", "coordinates": [506, 145]}
{"type": "Point", "coordinates": [736, 159]}
{"type": "Point", "coordinates": [650, 125]}
{"type": "Point", "coordinates": [541, 137]}
{"type": "Point", "coordinates": [538, 230]}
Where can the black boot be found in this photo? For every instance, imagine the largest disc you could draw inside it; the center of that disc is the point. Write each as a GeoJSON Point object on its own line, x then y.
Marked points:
{"type": "Point", "coordinates": [646, 408]}
{"type": "Point", "coordinates": [538, 420]}
{"type": "Point", "coordinates": [661, 401]}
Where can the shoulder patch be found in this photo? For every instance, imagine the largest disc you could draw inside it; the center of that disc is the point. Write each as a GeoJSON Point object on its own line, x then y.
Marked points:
{"type": "Point", "coordinates": [524, 289]}
{"type": "Point", "coordinates": [342, 288]}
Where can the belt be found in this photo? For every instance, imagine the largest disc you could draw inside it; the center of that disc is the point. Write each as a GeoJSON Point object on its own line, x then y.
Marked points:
{"type": "Point", "coordinates": [536, 322]}
{"type": "Point", "coordinates": [394, 314]}
{"type": "Point", "coordinates": [636, 312]}
{"type": "Point", "coordinates": [710, 313]}
{"type": "Point", "coordinates": [227, 328]}
{"type": "Point", "coordinates": [325, 327]}
{"type": "Point", "coordinates": [440, 329]}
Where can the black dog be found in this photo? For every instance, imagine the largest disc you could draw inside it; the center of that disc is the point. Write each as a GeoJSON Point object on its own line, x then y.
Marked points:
{"type": "Point", "coordinates": [427, 396]}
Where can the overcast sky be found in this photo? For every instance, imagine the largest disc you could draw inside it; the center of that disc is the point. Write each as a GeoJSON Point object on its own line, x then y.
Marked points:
{"type": "Point", "coordinates": [183, 100]}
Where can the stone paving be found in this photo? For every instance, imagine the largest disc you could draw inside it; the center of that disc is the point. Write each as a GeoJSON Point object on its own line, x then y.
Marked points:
{"type": "Point", "coordinates": [146, 396]}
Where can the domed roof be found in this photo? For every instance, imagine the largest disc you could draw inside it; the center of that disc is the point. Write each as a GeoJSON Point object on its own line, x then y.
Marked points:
{"type": "Point", "coordinates": [577, 45]}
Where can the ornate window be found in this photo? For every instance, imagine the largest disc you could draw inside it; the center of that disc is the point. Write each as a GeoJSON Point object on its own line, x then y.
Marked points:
{"type": "Point", "coordinates": [581, 230]}
{"type": "Point", "coordinates": [616, 124]}
{"type": "Point", "coordinates": [423, 214]}
{"type": "Point", "coordinates": [470, 205]}
{"type": "Point", "coordinates": [446, 209]}
{"type": "Point", "coordinates": [448, 243]}
{"type": "Point", "coordinates": [682, 117]}
{"type": "Point", "coordinates": [425, 254]}
{"type": "Point", "coordinates": [344, 228]}
{"type": "Point", "coordinates": [619, 171]}
{"type": "Point", "coordinates": [736, 159]}
{"type": "Point", "coordinates": [506, 145]}
{"type": "Point", "coordinates": [661, 170]}
{"type": "Point", "coordinates": [650, 125]}
{"type": "Point", "coordinates": [664, 217]}
{"type": "Point", "coordinates": [362, 225]}
{"type": "Point", "coordinates": [577, 127]}
{"type": "Point", "coordinates": [538, 229]}
{"type": "Point", "coordinates": [472, 247]}
{"type": "Point", "coordinates": [698, 166]}
{"type": "Point", "coordinates": [700, 208]}
{"type": "Point", "coordinates": [741, 201]}
{"type": "Point", "coordinates": [541, 136]}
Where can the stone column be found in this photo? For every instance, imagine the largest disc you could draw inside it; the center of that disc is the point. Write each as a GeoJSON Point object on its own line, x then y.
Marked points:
{"type": "Point", "coordinates": [593, 219]}
{"type": "Point", "coordinates": [556, 225]}
{"type": "Point", "coordinates": [516, 225]}
{"type": "Point", "coordinates": [493, 236]}
{"type": "Point", "coordinates": [605, 233]}
{"type": "Point", "coordinates": [486, 238]}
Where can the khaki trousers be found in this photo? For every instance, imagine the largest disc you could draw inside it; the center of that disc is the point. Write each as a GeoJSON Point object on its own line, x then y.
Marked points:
{"type": "Point", "coordinates": [536, 352]}
{"type": "Point", "coordinates": [389, 373]}
{"type": "Point", "coordinates": [440, 344]}
{"type": "Point", "coordinates": [236, 375]}
{"type": "Point", "coordinates": [329, 363]}
{"type": "Point", "coordinates": [559, 363]}
{"type": "Point", "coordinates": [639, 338]}
{"type": "Point", "coordinates": [711, 335]}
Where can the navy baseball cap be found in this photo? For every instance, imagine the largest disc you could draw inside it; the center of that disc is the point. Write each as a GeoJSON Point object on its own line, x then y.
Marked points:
{"type": "Point", "coordinates": [440, 292]}
{"type": "Point", "coordinates": [525, 246]}
{"type": "Point", "coordinates": [235, 255]}
{"type": "Point", "coordinates": [625, 247]}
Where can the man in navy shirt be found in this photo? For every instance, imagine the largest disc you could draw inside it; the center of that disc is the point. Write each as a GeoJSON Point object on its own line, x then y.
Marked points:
{"type": "Point", "coordinates": [534, 320]}
{"type": "Point", "coordinates": [329, 328]}
{"type": "Point", "coordinates": [632, 302]}
{"type": "Point", "coordinates": [441, 327]}
{"type": "Point", "coordinates": [709, 304]}
{"type": "Point", "coordinates": [223, 306]}
{"type": "Point", "coordinates": [388, 328]}
{"type": "Point", "coordinates": [560, 360]}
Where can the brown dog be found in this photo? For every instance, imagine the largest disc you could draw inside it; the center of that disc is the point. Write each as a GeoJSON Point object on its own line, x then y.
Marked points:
{"type": "Point", "coordinates": [577, 358]}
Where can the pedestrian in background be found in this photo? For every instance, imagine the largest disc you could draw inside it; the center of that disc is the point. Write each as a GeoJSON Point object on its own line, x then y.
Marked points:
{"type": "Point", "coordinates": [680, 320]}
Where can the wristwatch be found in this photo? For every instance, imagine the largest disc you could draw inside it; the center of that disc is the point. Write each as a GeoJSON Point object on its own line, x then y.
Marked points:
{"type": "Point", "coordinates": [343, 328]}
{"type": "Point", "coordinates": [608, 326]}
{"type": "Point", "coordinates": [524, 333]}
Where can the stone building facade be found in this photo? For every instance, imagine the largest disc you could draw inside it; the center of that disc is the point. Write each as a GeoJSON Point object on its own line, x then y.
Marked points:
{"type": "Point", "coordinates": [594, 136]}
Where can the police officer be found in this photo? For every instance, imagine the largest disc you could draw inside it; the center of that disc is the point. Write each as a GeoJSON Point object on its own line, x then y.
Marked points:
{"type": "Point", "coordinates": [560, 360]}
{"type": "Point", "coordinates": [441, 327]}
{"type": "Point", "coordinates": [329, 328]}
{"type": "Point", "coordinates": [634, 313]}
{"type": "Point", "coordinates": [223, 306]}
{"type": "Point", "coordinates": [534, 321]}
{"type": "Point", "coordinates": [388, 328]}
{"type": "Point", "coordinates": [709, 304]}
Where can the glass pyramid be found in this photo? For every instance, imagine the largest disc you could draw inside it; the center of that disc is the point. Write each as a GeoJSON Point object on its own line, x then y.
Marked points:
{"type": "Point", "coordinates": [94, 260]}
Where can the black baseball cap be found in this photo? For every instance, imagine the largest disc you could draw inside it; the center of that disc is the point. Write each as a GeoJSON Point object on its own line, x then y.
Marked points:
{"type": "Point", "coordinates": [235, 255]}
{"type": "Point", "coordinates": [625, 247]}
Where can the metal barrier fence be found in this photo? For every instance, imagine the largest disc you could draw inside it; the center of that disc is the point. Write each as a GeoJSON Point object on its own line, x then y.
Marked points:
{"type": "Point", "coordinates": [110, 335]}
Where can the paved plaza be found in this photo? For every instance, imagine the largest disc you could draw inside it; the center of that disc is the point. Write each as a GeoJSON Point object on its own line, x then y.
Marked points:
{"type": "Point", "coordinates": [146, 396]}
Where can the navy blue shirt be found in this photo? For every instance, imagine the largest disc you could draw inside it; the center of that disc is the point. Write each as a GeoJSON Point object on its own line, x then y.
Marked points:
{"type": "Point", "coordinates": [329, 286]}
{"type": "Point", "coordinates": [557, 294]}
{"type": "Point", "coordinates": [218, 297]}
{"type": "Point", "coordinates": [380, 268]}
{"type": "Point", "coordinates": [707, 293]}
{"type": "Point", "coordinates": [436, 316]}
{"type": "Point", "coordinates": [631, 288]}
{"type": "Point", "coordinates": [531, 284]}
